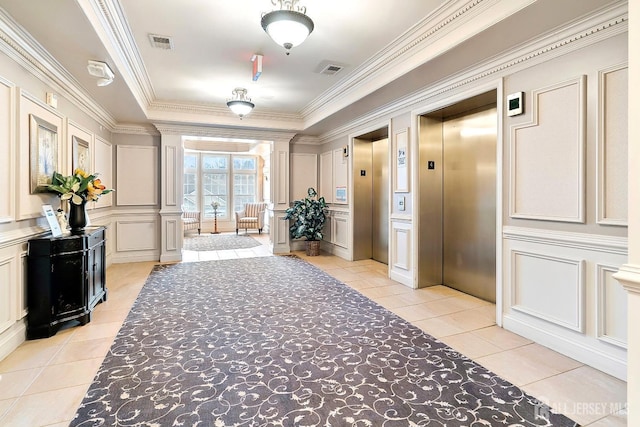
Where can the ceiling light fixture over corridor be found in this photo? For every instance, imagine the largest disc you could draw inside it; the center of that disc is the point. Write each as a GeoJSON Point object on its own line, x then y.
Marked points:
{"type": "Point", "coordinates": [288, 26]}
{"type": "Point", "coordinates": [240, 103]}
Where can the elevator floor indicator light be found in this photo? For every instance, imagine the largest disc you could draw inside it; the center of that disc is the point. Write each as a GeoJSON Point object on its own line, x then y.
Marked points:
{"type": "Point", "coordinates": [431, 165]}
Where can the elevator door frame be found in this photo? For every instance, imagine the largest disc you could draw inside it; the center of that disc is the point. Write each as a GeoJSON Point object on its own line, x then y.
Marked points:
{"type": "Point", "coordinates": [495, 87]}
{"type": "Point", "coordinates": [381, 131]}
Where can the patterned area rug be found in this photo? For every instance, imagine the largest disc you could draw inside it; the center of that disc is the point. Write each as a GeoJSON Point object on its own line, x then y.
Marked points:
{"type": "Point", "coordinates": [275, 341]}
{"type": "Point", "coordinates": [219, 242]}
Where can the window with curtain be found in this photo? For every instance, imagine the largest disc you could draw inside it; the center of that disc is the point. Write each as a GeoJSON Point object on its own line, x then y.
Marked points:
{"type": "Point", "coordinates": [228, 179]}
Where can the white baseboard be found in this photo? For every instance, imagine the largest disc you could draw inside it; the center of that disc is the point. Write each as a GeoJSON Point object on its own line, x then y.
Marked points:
{"type": "Point", "coordinates": [401, 277]}
{"type": "Point", "coordinates": [575, 349]}
{"type": "Point", "coordinates": [12, 338]}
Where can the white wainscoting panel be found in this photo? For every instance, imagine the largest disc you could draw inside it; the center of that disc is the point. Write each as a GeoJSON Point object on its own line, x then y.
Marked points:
{"type": "Point", "coordinates": [340, 229]}
{"type": "Point", "coordinates": [7, 152]}
{"type": "Point", "coordinates": [136, 235]}
{"type": "Point", "coordinates": [304, 174]}
{"type": "Point", "coordinates": [326, 176]}
{"type": "Point", "coordinates": [172, 230]}
{"type": "Point", "coordinates": [7, 292]}
{"type": "Point", "coordinates": [559, 291]}
{"type": "Point", "coordinates": [550, 288]}
{"type": "Point", "coordinates": [612, 145]}
{"type": "Point", "coordinates": [137, 175]}
{"type": "Point", "coordinates": [401, 252]}
{"type": "Point", "coordinates": [611, 307]}
{"type": "Point", "coordinates": [547, 156]}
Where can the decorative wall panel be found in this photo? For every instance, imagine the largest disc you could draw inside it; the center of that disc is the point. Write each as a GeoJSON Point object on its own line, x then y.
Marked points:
{"type": "Point", "coordinates": [611, 307]}
{"type": "Point", "coordinates": [340, 178]}
{"type": "Point", "coordinates": [103, 164]}
{"type": "Point", "coordinates": [7, 299]}
{"type": "Point", "coordinates": [340, 229]}
{"type": "Point", "coordinates": [7, 150]}
{"type": "Point", "coordinates": [30, 205]}
{"type": "Point", "coordinates": [137, 175]}
{"type": "Point", "coordinates": [304, 174]}
{"type": "Point", "coordinates": [550, 288]}
{"type": "Point", "coordinates": [547, 156]}
{"type": "Point", "coordinates": [612, 146]}
{"type": "Point", "coordinates": [169, 178]}
{"type": "Point", "coordinates": [136, 235]}
{"type": "Point", "coordinates": [282, 172]}
{"type": "Point", "coordinates": [326, 176]}
{"type": "Point", "coordinates": [401, 245]}
{"type": "Point", "coordinates": [171, 231]}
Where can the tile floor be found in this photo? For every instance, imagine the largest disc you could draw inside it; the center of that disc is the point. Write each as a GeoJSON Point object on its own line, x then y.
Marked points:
{"type": "Point", "coordinates": [43, 381]}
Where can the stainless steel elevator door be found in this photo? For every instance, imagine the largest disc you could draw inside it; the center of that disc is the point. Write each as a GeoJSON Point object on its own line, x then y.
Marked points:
{"type": "Point", "coordinates": [469, 203]}
{"type": "Point", "coordinates": [380, 208]}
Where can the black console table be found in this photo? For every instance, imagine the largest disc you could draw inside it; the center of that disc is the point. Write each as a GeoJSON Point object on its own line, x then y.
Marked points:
{"type": "Point", "coordinates": [65, 280]}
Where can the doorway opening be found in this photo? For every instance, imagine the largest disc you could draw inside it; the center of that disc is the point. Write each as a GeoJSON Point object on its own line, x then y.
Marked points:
{"type": "Point", "coordinates": [371, 196]}
{"type": "Point", "coordinates": [457, 193]}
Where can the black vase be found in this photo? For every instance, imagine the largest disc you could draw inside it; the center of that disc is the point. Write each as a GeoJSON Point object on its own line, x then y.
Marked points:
{"type": "Point", "coordinates": [77, 217]}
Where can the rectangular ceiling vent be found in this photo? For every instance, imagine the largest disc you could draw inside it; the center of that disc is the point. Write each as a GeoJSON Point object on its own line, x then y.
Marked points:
{"type": "Point", "coordinates": [331, 69]}
{"type": "Point", "coordinates": [161, 42]}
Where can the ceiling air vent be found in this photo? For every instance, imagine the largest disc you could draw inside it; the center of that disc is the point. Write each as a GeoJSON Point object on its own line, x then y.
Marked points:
{"type": "Point", "coordinates": [161, 42]}
{"type": "Point", "coordinates": [331, 69]}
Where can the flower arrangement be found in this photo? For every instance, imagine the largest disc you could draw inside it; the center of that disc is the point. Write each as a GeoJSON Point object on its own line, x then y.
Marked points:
{"type": "Point", "coordinates": [79, 187]}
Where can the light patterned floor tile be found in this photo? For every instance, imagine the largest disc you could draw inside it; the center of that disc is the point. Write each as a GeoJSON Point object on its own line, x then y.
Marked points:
{"type": "Point", "coordinates": [501, 337]}
{"type": "Point", "coordinates": [583, 401]}
{"type": "Point", "coordinates": [81, 350]}
{"type": "Point", "coordinates": [470, 345]}
{"type": "Point", "coordinates": [528, 364]}
{"type": "Point", "coordinates": [44, 409]}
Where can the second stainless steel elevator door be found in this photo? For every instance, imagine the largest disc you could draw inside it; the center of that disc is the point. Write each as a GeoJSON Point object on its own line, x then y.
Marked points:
{"type": "Point", "coordinates": [469, 203]}
{"type": "Point", "coordinates": [380, 211]}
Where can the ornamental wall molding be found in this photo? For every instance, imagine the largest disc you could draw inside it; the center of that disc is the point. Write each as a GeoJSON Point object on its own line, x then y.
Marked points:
{"type": "Point", "coordinates": [593, 29]}
{"type": "Point", "coordinates": [246, 134]}
{"type": "Point", "coordinates": [21, 47]}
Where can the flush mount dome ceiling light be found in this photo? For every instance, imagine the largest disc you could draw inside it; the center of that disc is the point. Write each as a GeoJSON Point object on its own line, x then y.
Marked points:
{"type": "Point", "coordinates": [288, 26]}
{"type": "Point", "coordinates": [240, 103]}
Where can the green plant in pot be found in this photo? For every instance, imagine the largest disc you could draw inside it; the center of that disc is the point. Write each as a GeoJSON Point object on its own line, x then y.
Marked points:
{"type": "Point", "coordinates": [308, 217]}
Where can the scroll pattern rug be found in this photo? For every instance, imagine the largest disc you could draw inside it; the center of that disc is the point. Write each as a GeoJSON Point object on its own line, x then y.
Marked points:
{"type": "Point", "coordinates": [219, 242]}
{"type": "Point", "coordinates": [277, 342]}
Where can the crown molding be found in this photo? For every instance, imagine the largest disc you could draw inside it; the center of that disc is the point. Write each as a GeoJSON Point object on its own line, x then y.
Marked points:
{"type": "Point", "coordinates": [447, 27]}
{"type": "Point", "coordinates": [135, 129]}
{"type": "Point", "coordinates": [21, 47]}
{"type": "Point", "coordinates": [306, 140]}
{"type": "Point", "coordinates": [189, 114]}
{"type": "Point", "coordinates": [110, 23]}
{"type": "Point", "coordinates": [246, 134]}
{"type": "Point", "coordinates": [608, 22]}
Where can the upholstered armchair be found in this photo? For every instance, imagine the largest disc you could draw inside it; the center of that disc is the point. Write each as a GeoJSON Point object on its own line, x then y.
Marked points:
{"type": "Point", "coordinates": [191, 221]}
{"type": "Point", "coordinates": [252, 216]}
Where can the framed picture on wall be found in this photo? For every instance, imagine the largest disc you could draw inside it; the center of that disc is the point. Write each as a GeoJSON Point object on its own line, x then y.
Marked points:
{"type": "Point", "coordinates": [80, 154]}
{"type": "Point", "coordinates": [401, 161]}
{"type": "Point", "coordinates": [43, 153]}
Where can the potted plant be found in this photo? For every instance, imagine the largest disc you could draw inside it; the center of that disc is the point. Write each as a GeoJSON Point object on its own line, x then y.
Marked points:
{"type": "Point", "coordinates": [308, 217]}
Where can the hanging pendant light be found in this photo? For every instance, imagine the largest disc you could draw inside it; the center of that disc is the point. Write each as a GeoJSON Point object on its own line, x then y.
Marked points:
{"type": "Point", "coordinates": [289, 26]}
{"type": "Point", "coordinates": [240, 103]}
